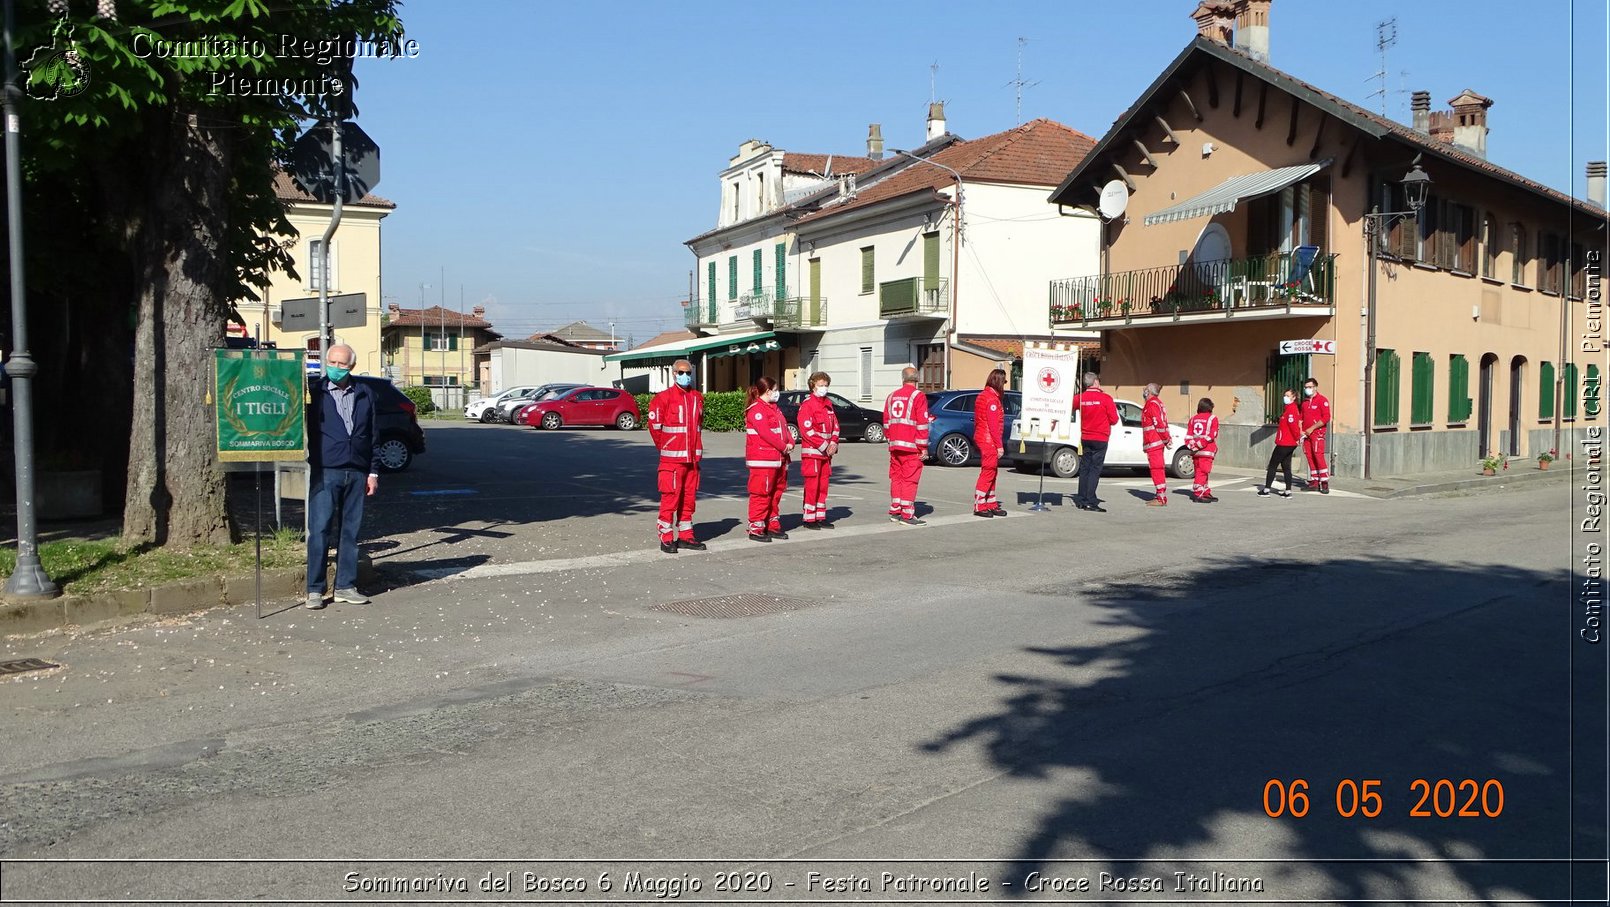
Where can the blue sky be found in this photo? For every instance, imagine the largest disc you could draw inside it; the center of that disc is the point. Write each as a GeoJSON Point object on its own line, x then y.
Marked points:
{"type": "Point", "coordinates": [553, 157]}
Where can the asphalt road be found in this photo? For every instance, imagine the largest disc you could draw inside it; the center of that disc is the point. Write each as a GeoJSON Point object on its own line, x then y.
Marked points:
{"type": "Point", "coordinates": [1065, 693]}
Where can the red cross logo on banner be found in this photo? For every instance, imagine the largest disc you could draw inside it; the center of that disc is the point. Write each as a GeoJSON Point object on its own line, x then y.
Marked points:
{"type": "Point", "coordinates": [1050, 379]}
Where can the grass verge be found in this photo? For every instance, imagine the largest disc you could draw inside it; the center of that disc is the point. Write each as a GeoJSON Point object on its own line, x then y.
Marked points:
{"type": "Point", "coordinates": [82, 565]}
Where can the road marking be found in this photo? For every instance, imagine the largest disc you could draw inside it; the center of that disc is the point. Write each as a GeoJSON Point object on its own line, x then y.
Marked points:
{"type": "Point", "coordinates": [441, 491]}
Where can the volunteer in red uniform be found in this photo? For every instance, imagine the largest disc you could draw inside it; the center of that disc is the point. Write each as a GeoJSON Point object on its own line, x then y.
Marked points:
{"type": "Point", "coordinates": [1155, 440]}
{"type": "Point", "coordinates": [905, 424]}
{"type": "Point", "coordinates": [818, 442]}
{"type": "Point", "coordinates": [675, 416]}
{"type": "Point", "coordinates": [1288, 435]}
{"type": "Point", "coordinates": [1202, 437]}
{"type": "Point", "coordinates": [1316, 418]}
{"type": "Point", "coordinates": [1097, 414]}
{"type": "Point", "coordinates": [989, 427]}
{"type": "Point", "coordinates": [766, 447]}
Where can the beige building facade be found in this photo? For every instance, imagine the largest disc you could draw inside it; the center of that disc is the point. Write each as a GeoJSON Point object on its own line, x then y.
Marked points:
{"type": "Point", "coordinates": [1244, 195]}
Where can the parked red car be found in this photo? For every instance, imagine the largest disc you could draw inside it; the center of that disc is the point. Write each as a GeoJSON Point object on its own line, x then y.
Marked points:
{"type": "Point", "coordinates": [585, 406]}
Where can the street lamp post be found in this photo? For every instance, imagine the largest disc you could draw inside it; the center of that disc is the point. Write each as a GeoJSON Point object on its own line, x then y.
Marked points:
{"type": "Point", "coordinates": [29, 579]}
{"type": "Point", "coordinates": [1415, 185]}
{"type": "Point", "coordinates": [955, 246]}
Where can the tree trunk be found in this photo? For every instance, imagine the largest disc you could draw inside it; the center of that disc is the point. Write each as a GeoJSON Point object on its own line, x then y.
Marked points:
{"type": "Point", "coordinates": [176, 490]}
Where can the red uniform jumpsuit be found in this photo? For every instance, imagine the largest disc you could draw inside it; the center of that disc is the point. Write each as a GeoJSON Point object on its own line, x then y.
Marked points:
{"type": "Point", "coordinates": [1316, 418]}
{"type": "Point", "coordinates": [989, 424]}
{"type": "Point", "coordinates": [905, 423]}
{"type": "Point", "coordinates": [675, 417]}
{"type": "Point", "coordinates": [1202, 437]}
{"type": "Point", "coordinates": [818, 428]}
{"type": "Point", "coordinates": [1155, 440]}
{"type": "Point", "coordinates": [765, 453]}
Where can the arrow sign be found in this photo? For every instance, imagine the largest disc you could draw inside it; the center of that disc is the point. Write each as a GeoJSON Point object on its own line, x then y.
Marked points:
{"type": "Point", "coordinates": [1297, 347]}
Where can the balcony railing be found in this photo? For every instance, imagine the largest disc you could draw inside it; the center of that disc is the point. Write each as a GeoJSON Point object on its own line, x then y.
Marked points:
{"type": "Point", "coordinates": [1227, 286]}
{"type": "Point", "coordinates": [798, 313]}
{"type": "Point", "coordinates": [758, 306]}
{"type": "Point", "coordinates": [700, 314]}
{"type": "Point", "coordinates": [914, 296]}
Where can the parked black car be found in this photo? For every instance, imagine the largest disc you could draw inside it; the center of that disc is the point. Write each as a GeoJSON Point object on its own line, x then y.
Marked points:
{"type": "Point", "coordinates": [854, 421]}
{"type": "Point", "coordinates": [398, 435]}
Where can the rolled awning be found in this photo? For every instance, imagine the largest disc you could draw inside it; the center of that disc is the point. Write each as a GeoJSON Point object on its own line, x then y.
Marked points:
{"type": "Point", "coordinates": [1225, 196]}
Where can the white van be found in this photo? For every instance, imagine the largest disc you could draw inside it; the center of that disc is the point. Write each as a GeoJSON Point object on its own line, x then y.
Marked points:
{"type": "Point", "coordinates": [1123, 448]}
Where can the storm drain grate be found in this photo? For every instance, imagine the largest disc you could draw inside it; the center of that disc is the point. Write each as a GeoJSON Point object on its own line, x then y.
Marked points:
{"type": "Point", "coordinates": [744, 604]}
{"type": "Point", "coordinates": [24, 665]}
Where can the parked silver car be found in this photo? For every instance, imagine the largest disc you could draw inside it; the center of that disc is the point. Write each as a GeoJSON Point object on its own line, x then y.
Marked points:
{"type": "Point", "coordinates": [508, 409]}
{"type": "Point", "coordinates": [484, 409]}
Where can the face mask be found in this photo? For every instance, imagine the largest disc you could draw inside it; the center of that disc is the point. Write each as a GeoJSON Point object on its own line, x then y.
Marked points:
{"type": "Point", "coordinates": [771, 396]}
{"type": "Point", "coordinates": [684, 380]}
{"type": "Point", "coordinates": [819, 391]}
{"type": "Point", "coordinates": [1308, 392]}
{"type": "Point", "coordinates": [1288, 399]}
{"type": "Point", "coordinates": [336, 373]}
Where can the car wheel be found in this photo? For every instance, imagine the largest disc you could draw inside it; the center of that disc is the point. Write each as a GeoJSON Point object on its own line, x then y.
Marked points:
{"type": "Point", "coordinates": [793, 432]}
{"type": "Point", "coordinates": [625, 421]}
{"type": "Point", "coordinates": [487, 415]}
{"type": "Point", "coordinates": [551, 421]}
{"type": "Point", "coordinates": [1183, 465]}
{"type": "Point", "coordinates": [955, 450]}
{"type": "Point", "coordinates": [1065, 463]}
{"type": "Point", "coordinates": [394, 454]}
{"type": "Point", "coordinates": [874, 433]}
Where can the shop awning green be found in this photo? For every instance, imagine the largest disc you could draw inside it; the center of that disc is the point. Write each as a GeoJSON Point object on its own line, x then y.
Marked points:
{"type": "Point", "coordinates": [713, 347]}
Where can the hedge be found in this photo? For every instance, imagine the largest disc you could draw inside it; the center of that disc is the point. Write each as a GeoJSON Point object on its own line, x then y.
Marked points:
{"type": "Point", "coordinates": [723, 410]}
{"type": "Point", "coordinates": [423, 404]}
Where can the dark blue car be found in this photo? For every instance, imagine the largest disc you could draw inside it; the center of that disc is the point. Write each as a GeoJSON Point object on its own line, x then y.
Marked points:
{"type": "Point", "coordinates": [950, 437]}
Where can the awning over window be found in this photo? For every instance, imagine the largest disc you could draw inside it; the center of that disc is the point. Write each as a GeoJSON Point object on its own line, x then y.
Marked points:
{"type": "Point", "coordinates": [1225, 196]}
{"type": "Point", "coordinates": [713, 347]}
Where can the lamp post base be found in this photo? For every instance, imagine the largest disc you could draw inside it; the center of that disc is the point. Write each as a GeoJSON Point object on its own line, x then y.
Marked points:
{"type": "Point", "coordinates": [30, 581]}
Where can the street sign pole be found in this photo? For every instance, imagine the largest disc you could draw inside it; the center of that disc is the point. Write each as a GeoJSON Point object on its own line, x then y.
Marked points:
{"type": "Point", "coordinates": [338, 169]}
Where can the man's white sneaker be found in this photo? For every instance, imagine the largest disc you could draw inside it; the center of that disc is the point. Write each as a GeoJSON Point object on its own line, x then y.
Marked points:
{"type": "Point", "coordinates": [351, 597]}
{"type": "Point", "coordinates": [315, 601]}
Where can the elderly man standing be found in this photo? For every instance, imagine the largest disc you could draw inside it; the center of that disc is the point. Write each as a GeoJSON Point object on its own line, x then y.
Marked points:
{"type": "Point", "coordinates": [344, 470]}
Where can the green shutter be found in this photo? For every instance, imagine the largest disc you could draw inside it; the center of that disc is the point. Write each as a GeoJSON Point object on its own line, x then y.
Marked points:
{"type": "Point", "coordinates": [732, 277]}
{"type": "Point", "coordinates": [782, 271]}
{"type": "Point", "coordinates": [930, 259]}
{"type": "Point", "coordinates": [1568, 392]}
{"type": "Point", "coordinates": [1545, 391]}
{"type": "Point", "coordinates": [452, 343]}
{"type": "Point", "coordinates": [711, 277]}
{"type": "Point", "coordinates": [1283, 372]}
{"type": "Point", "coordinates": [1424, 396]}
{"type": "Point", "coordinates": [1459, 402]}
{"type": "Point", "coordinates": [760, 282]}
{"type": "Point", "coordinates": [867, 281]}
{"type": "Point", "coordinates": [1387, 389]}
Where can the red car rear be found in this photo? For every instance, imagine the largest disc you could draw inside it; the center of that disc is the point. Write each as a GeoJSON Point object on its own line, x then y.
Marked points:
{"type": "Point", "coordinates": [585, 406]}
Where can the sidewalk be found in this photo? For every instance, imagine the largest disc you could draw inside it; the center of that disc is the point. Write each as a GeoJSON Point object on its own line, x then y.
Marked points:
{"type": "Point", "coordinates": [1520, 472]}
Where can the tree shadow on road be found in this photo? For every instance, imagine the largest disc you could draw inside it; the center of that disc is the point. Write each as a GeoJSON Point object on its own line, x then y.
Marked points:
{"type": "Point", "coordinates": [1158, 738]}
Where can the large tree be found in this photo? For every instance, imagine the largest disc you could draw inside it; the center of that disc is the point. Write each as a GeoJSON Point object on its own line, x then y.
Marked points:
{"type": "Point", "coordinates": [166, 161]}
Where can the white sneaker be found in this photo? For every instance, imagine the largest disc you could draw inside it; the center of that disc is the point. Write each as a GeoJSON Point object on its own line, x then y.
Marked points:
{"type": "Point", "coordinates": [315, 601]}
{"type": "Point", "coordinates": [351, 597]}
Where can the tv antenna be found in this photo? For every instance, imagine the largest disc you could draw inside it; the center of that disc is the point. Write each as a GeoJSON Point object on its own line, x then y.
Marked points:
{"type": "Point", "coordinates": [1386, 38]}
{"type": "Point", "coordinates": [1018, 83]}
{"type": "Point", "coordinates": [933, 82]}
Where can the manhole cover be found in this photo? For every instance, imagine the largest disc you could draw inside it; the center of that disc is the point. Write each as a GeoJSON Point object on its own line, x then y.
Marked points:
{"type": "Point", "coordinates": [24, 665]}
{"type": "Point", "coordinates": [744, 604]}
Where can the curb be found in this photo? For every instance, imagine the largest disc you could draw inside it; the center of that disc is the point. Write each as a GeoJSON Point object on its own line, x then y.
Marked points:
{"type": "Point", "coordinates": [1524, 477]}
{"type": "Point", "coordinates": [180, 597]}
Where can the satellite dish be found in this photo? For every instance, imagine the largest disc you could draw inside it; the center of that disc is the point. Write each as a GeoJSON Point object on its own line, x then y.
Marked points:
{"type": "Point", "coordinates": [1114, 199]}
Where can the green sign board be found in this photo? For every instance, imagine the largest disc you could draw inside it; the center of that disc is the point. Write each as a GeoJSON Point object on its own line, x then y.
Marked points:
{"type": "Point", "coordinates": [260, 398]}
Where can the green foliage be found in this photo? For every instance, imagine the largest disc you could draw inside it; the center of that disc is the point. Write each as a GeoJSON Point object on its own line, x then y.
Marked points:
{"type": "Point", "coordinates": [423, 404]}
{"type": "Point", "coordinates": [643, 401]}
{"type": "Point", "coordinates": [724, 410]}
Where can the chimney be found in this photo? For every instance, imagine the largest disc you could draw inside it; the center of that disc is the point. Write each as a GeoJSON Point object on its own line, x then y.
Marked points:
{"type": "Point", "coordinates": [1252, 28]}
{"type": "Point", "coordinates": [1214, 21]}
{"type": "Point", "coordinates": [1470, 122]}
{"type": "Point", "coordinates": [1420, 106]}
{"type": "Point", "coordinates": [394, 310]}
{"type": "Point", "coordinates": [874, 142]}
{"type": "Point", "coordinates": [1596, 182]}
{"type": "Point", "coordinates": [479, 311]}
{"type": "Point", "coordinates": [936, 120]}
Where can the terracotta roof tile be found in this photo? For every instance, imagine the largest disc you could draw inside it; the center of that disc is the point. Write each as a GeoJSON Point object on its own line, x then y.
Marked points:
{"type": "Point", "coordinates": [668, 337]}
{"type": "Point", "coordinates": [436, 316]}
{"type": "Point", "coordinates": [286, 189]}
{"type": "Point", "coordinates": [1037, 153]}
{"type": "Point", "coordinates": [580, 330]}
{"type": "Point", "coordinates": [797, 162]}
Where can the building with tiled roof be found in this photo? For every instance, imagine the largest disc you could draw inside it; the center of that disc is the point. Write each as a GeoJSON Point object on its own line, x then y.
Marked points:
{"type": "Point", "coordinates": [868, 267]}
{"type": "Point", "coordinates": [354, 266]}
{"type": "Point", "coordinates": [434, 347]}
{"type": "Point", "coordinates": [583, 334]}
{"type": "Point", "coordinates": [1238, 265]}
